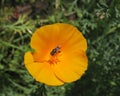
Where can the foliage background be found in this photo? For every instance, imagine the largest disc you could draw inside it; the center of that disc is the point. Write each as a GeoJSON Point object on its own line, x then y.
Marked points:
{"type": "Point", "coordinates": [98, 20]}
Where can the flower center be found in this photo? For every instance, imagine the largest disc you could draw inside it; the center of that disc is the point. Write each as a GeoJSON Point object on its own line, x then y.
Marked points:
{"type": "Point", "coordinates": [54, 54]}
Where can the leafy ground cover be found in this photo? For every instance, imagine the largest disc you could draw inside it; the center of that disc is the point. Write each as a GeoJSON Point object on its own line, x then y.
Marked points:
{"type": "Point", "coordinates": [97, 20]}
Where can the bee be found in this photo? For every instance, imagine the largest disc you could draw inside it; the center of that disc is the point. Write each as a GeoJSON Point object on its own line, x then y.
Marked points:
{"type": "Point", "coordinates": [55, 50]}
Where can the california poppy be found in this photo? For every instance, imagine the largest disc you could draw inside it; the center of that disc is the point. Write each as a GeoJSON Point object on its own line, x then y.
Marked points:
{"type": "Point", "coordinates": [59, 54]}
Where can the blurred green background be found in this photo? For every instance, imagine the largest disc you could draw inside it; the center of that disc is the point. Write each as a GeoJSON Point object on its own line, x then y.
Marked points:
{"type": "Point", "coordinates": [98, 20]}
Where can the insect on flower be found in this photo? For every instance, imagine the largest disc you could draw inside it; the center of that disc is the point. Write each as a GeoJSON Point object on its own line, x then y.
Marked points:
{"type": "Point", "coordinates": [59, 54]}
{"type": "Point", "coordinates": [55, 50]}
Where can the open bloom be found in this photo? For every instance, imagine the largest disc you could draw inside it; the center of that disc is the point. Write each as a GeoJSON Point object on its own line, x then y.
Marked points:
{"type": "Point", "coordinates": [59, 54]}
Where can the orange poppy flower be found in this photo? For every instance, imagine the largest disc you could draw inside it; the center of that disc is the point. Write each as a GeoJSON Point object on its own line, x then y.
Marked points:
{"type": "Point", "coordinates": [59, 54]}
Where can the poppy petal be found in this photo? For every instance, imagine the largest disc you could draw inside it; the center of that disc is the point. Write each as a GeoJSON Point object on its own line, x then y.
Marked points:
{"type": "Point", "coordinates": [42, 72]}
{"type": "Point", "coordinates": [71, 67]}
{"type": "Point", "coordinates": [47, 76]}
{"type": "Point", "coordinates": [32, 67]}
{"type": "Point", "coordinates": [71, 37]}
{"type": "Point", "coordinates": [46, 37]}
